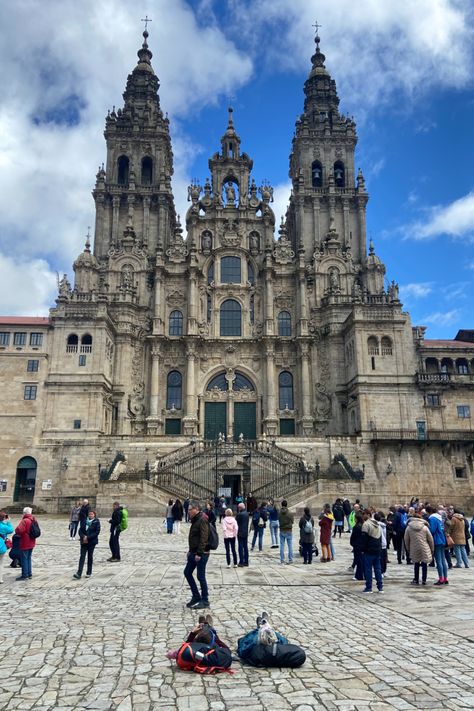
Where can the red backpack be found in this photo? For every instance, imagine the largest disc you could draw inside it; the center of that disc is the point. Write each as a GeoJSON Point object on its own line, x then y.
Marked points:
{"type": "Point", "coordinates": [204, 659]}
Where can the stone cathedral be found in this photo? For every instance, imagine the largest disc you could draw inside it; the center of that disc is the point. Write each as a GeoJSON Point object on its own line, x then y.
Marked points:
{"type": "Point", "coordinates": [285, 345]}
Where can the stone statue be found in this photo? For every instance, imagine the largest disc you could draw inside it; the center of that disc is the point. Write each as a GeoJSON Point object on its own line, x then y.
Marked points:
{"type": "Point", "coordinates": [334, 279]}
{"type": "Point", "coordinates": [127, 276]}
{"type": "Point", "coordinates": [64, 287]}
{"type": "Point", "coordinates": [230, 193]}
{"type": "Point", "coordinates": [206, 241]}
{"type": "Point", "coordinates": [194, 191]}
{"type": "Point", "coordinates": [323, 401]}
{"type": "Point", "coordinates": [254, 242]}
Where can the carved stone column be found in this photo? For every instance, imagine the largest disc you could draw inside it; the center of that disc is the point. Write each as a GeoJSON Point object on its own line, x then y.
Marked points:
{"type": "Point", "coordinates": [302, 297]}
{"type": "Point", "coordinates": [269, 306]}
{"type": "Point", "coordinates": [146, 219]}
{"type": "Point", "coordinates": [362, 228]}
{"type": "Point", "coordinates": [190, 418]}
{"type": "Point", "coordinates": [154, 422]}
{"type": "Point", "coordinates": [159, 310]}
{"type": "Point", "coordinates": [271, 419]}
{"type": "Point", "coordinates": [306, 421]}
{"type": "Point", "coordinates": [115, 218]}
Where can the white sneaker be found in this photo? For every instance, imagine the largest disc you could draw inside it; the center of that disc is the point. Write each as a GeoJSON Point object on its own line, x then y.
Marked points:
{"type": "Point", "coordinates": [228, 566]}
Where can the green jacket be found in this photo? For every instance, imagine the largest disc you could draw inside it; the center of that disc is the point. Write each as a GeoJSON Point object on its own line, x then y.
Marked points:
{"type": "Point", "coordinates": [285, 519]}
{"type": "Point", "coordinates": [352, 518]}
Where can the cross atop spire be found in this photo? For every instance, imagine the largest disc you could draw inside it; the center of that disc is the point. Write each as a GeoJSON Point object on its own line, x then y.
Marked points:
{"type": "Point", "coordinates": [146, 21]}
{"type": "Point", "coordinates": [316, 27]}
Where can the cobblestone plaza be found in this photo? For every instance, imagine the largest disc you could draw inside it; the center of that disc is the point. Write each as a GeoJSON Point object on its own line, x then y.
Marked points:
{"type": "Point", "coordinates": [100, 643]}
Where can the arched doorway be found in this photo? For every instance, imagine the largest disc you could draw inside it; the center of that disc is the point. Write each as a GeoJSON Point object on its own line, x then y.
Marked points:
{"type": "Point", "coordinates": [230, 407]}
{"type": "Point", "coordinates": [25, 481]}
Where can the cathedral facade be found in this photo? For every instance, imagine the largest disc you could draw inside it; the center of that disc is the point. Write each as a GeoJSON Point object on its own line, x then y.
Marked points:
{"type": "Point", "coordinates": [231, 327]}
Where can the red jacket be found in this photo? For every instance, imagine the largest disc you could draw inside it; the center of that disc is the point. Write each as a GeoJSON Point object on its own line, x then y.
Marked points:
{"type": "Point", "coordinates": [326, 525]}
{"type": "Point", "coordinates": [23, 530]}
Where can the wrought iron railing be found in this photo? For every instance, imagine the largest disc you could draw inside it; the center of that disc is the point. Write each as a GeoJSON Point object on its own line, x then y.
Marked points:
{"type": "Point", "coordinates": [429, 435]}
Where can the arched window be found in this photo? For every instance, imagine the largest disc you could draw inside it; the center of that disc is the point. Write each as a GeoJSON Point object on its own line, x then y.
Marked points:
{"type": "Point", "coordinates": [373, 345]}
{"type": "Point", "coordinates": [431, 365]}
{"type": "Point", "coordinates": [174, 390]}
{"type": "Point", "coordinates": [72, 340]}
{"type": "Point", "coordinates": [285, 391]}
{"type": "Point", "coordinates": [231, 318]}
{"type": "Point", "coordinates": [122, 170]}
{"type": "Point", "coordinates": [231, 270]}
{"type": "Point", "coordinates": [241, 382]}
{"type": "Point", "coordinates": [250, 274]}
{"type": "Point", "coordinates": [86, 339]}
{"type": "Point", "coordinates": [339, 174]}
{"type": "Point", "coordinates": [462, 367]}
{"type": "Point", "coordinates": [147, 171]}
{"type": "Point", "coordinates": [284, 323]}
{"type": "Point", "coordinates": [447, 365]}
{"type": "Point", "coordinates": [317, 174]}
{"type": "Point", "coordinates": [219, 382]}
{"type": "Point", "coordinates": [176, 323]}
{"type": "Point", "coordinates": [386, 345]}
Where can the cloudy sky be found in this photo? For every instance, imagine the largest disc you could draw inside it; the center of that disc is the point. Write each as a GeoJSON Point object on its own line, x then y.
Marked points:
{"type": "Point", "coordinates": [403, 69]}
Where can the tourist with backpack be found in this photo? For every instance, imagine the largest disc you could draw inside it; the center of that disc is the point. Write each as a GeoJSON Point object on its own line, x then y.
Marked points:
{"type": "Point", "coordinates": [307, 536]}
{"type": "Point", "coordinates": [115, 531]}
{"type": "Point", "coordinates": [6, 529]}
{"type": "Point", "coordinates": [198, 556]}
{"type": "Point", "coordinates": [186, 509]}
{"type": "Point", "coordinates": [338, 513]}
{"type": "Point", "coordinates": [285, 519]}
{"type": "Point", "coordinates": [89, 537]}
{"type": "Point", "coordinates": [28, 529]}
{"type": "Point", "coordinates": [259, 523]}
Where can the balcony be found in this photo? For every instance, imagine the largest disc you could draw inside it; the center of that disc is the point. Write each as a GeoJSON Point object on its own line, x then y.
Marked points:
{"type": "Point", "coordinates": [430, 378]}
{"type": "Point", "coordinates": [415, 436]}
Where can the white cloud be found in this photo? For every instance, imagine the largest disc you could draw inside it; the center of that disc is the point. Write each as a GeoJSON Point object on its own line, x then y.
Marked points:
{"type": "Point", "coordinates": [443, 318]}
{"type": "Point", "coordinates": [281, 199]}
{"type": "Point", "coordinates": [27, 287]}
{"type": "Point", "coordinates": [455, 220]}
{"type": "Point", "coordinates": [416, 290]}
{"type": "Point", "coordinates": [470, 265]}
{"type": "Point", "coordinates": [62, 77]}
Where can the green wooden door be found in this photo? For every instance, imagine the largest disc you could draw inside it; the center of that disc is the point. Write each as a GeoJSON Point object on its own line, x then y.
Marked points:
{"type": "Point", "coordinates": [245, 420]}
{"type": "Point", "coordinates": [215, 419]}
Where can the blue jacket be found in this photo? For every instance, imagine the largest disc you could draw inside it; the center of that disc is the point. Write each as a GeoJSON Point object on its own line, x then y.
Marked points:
{"type": "Point", "coordinates": [437, 529]}
{"type": "Point", "coordinates": [5, 530]}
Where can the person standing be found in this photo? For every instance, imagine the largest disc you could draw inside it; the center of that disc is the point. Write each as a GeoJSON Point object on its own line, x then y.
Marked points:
{"type": "Point", "coordinates": [347, 508]}
{"type": "Point", "coordinates": [379, 516]}
{"type": "Point", "coordinates": [242, 520]}
{"type": "Point", "coordinates": [74, 520]}
{"type": "Point", "coordinates": [169, 517]}
{"type": "Point", "coordinates": [115, 530]}
{"type": "Point", "coordinates": [252, 503]}
{"type": "Point", "coordinates": [285, 520]}
{"type": "Point", "coordinates": [230, 530]}
{"type": "Point", "coordinates": [357, 547]}
{"type": "Point", "coordinates": [186, 509]}
{"type": "Point", "coordinates": [6, 529]}
{"type": "Point", "coordinates": [458, 534]}
{"type": "Point", "coordinates": [420, 547]}
{"type": "Point", "coordinates": [259, 522]}
{"type": "Point", "coordinates": [273, 522]}
{"type": "Point", "coordinates": [372, 547]}
{"type": "Point", "coordinates": [338, 513]}
{"type": "Point", "coordinates": [89, 536]}
{"type": "Point", "coordinates": [177, 512]}
{"type": "Point", "coordinates": [435, 522]}
{"type": "Point", "coordinates": [210, 513]}
{"type": "Point", "coordinates": [222, 508]}
{"type": "Point", "coordinates": [325, 525]}
{"type": "Point", "coordinates": [307, 536]}
{"type": "Point", "coordinates": [27, 543]}
{"type": "Point", "coordinates": [84, 512]}
{"type": "Point", "coordinates": [197, 557]}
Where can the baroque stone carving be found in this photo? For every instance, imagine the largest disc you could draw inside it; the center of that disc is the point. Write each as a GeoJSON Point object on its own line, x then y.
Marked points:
{"type": "Point", "coordinates": [283, 253]}
{"type": "Point", "coordinates": [323, 402]}
{"type": "Point", "coordinates": [175, 298]}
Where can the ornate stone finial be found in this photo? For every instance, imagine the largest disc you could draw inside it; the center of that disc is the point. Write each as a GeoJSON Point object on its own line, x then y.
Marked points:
{"type": "Point", "coordinates": [230, 124]}
{"type": "Point", "coordinates": [144, 54]}
{"type": "Point", "coordinates": [146, 20]}
{"type": "Point", "coordinates": [371, 247]}
{"type": "Point", "coordinates": [318, 57]}
{"type": "Point", "coordinates": [87, 247]}
{"type": "Point", "coordinates": [360, 181]}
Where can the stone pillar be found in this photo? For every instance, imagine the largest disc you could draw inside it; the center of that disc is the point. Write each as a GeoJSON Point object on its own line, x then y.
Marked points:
{"type": "Point", "coordinates": [306, 420]}
{"type": "Point", "coordinates": [269, 329]}
{"type": "Point", "coordinates": [362, 230]}
{"type": "Point", "coordinates": [159, 315]}
{"type": "Point", "coordinates": [317, 222]}
{"type": "Point", "coordinates": [230, 416]}
{"type": "Point", "coordinates": [190, 418]}
{"type": "Point", "coordinates": [99, 246]}
{"type": "Point", "coordinates": [302, 329]}
{"type": "Point", "coordinates": [146, 219]}
{"type": "Point", "coordinates": [271, 419]}
{"type": "Point", "coordinates": [193, 302]}
{"type": "Point", "coordinates": [115, 218]}
{"type": "Point", "coordinates": [347, 236]}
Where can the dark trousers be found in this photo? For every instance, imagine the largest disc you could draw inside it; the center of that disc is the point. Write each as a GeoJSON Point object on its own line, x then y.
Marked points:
{"type": "Point", "coordinates": [243, 551]}
{"type": "Point", "coordinates": [186, 514]}
{"type": "Point", "coordinates": [372, 561]}
{"type": "Point", "coordinates": [258, 533]}
{"type": "Point", "coordinates": [447, 555]}
{"type": "Point", "coordinates": [73, 528]}
{"type": "Point", "coordinates": [114, 543]}
{"type": "Point", "coordinates": [383, 561]}
{"type": "Point", "coordinates": [169, 524]}
{"type": "Point", "coordinates": [307, 550]}
{"type": "Point", "coordinates": [424, 572]}
{"type": "Point", "coordinates": [191, 566]}
{"type": "Point", "coordinates": [358, 564]}
{"type": "Point", "coordinates": [230, 546]}
{"type": "Point", "coordinates": [86, 549]}
{"type": "Point", "coordinates": [398, 545]}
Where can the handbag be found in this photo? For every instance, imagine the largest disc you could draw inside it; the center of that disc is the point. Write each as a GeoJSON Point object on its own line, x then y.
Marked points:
{"type": "Point", "coordinates": [449, 541]}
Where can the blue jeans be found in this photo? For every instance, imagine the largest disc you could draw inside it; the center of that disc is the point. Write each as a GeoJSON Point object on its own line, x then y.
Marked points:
{"type": "Point", "coordinates": [461, 555]}
{"type": "Point", "coordinates": [259, 531]}
{"type": "Point", "coordinates": [243, 551]}
{"type": "Point", "coordinates": [26, 563]}
{"type": "Point", "coordinates": [274, 532]}
{"type": "Point", "coordinates": [372, 561]}
{"type": "Point", "coordinates": [169, 525]}
{"type": "Point", "coordinates": [440, 561]}
{"type": "Point", "coordinates": [288, 537]}
{"type": "Point", "coordinates": [191, 565]}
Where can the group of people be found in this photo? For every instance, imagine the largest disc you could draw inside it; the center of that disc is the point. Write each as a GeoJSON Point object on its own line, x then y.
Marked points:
{"type": "Point", "coordinates": [20, 546]}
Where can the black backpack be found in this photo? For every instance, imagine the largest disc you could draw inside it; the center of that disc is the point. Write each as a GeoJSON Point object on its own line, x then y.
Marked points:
{"type": "Point", "coordinates": [213, 540]}
{"type": "Point", "coordinates": [35, 531]}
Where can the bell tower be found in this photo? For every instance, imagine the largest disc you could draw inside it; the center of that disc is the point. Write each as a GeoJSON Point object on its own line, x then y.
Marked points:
{"type": "Point", "coordinates": [134, 189]}
{"type": "Point", "coordinates": [326, 196]}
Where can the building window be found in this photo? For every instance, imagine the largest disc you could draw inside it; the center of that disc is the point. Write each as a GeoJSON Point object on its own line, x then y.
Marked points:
{"type": "Point", "coordinates": [82, 360]}
{"type": "Point", "coordinates": [218, 382]}
{"type": "Point", "coordinates": [172, 426]}
{"type": "Point", "coordinates": [30, 392]}
{"type": "Point", "coordinates": [231, 270]}
{"type": "Point", "coordinates": [71, 343]}
{"type": "Point", "coordinates": [36, 339]}
{"type": "Point", "coordinates": [285, 391]}
{"type": "Point", "coordinates": [209, 308]}
{"type": "Point", "coordinates": [19, 339]}
{"type": "Point", "coordinates": [176, 323]}
{"type": "Point", "coordinates": [462, 368]}
{"type": "Point", "coordinates": [339, 176]}
{"type": "Point", "coordinates": [4, 338]}
{"type": "Point", "coordinates": [231, 318]}
{"type": "Point", "coordinates": [287, 427]}
{"type": "Point", "coordinates": [210, 273]}
{"type": "Point", "coordinates": [174, 390]}
{"type": "Point", "coordinates": [240, 382]}
{"type": "Point", "coordinates": [32, 366]}
{"type": "Point", "coordinates": [77, 424]}
{"type": "Point", "coordinates": [373, 345]}
{"type": "Point", "coordinates": [433, 400]}
{"type": "Point", "coordinates": [460, 473]}
{"type": "Point", "coordinates": [284, 323]}
{"type": "Point", "coordinates": [317, 174]}
{"type": "Point", "coordinates": [386, 345]}
{"type": "Point", "coordinates": [122, 170]}
{"type": "Point", "coordinates": [147, 171]}
{"type": "Point", "coordinates": [464, 411]}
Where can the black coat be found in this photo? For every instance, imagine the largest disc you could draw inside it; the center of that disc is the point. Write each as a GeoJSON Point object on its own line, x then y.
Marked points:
{"type": "Point", "coordinates": [306, 537]}
{"type": "Point", "coordinates": [346, 505]}
{"type": "Point", "coordinates": [92, 534]}
{"type": "Point", "coordinates": [116, 519]}
{"type": "Point", "coordinates": [338, 512]}
{"type": "Point", "coordinates": [242, 519]}
{"type": "Point", "coordinates": [84, 512]}
{"type": "Point", "coordinates": [356, 538]}
{"type": "Point", "coordinates": [198, 534]}
{"type": "Point", "coordinates": [177, 511]}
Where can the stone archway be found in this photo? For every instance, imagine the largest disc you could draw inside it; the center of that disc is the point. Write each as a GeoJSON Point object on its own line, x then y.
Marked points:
{"type": "Point", "coordinates": [230, 407]}
{"type": "Point", "coordinates": [25, 482]}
